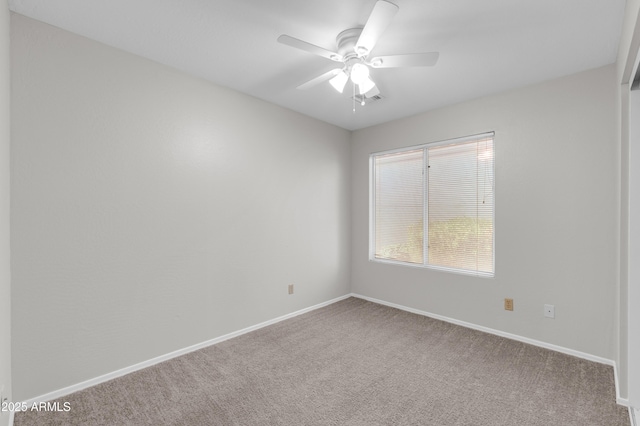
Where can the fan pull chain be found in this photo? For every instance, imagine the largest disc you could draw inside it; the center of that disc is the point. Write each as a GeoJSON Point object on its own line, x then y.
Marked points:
{"type": "Point", "coordinates": [354, 97]}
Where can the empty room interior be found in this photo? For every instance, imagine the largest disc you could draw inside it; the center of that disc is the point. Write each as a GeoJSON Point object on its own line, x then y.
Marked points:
{"type": "Point", "coordinates": [284, 212]}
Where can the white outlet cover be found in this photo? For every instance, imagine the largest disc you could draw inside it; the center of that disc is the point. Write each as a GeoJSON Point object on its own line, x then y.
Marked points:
{"type": "Point", "coordinates": [549, 311]}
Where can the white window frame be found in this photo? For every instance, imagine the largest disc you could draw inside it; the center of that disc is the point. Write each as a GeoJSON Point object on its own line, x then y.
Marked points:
{"type": "Point", "coordinates": [372, 210]}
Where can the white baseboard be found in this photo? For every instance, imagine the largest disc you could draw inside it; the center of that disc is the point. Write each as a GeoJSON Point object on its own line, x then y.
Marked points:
{"type": "Point", "coordinates": [634, 415]}
{"type": "Point", "coordinates": [118, 373]}
{"type": "Point", "coordinates": [561, 349]}
{"type": "Point", "coordinates": [619, 400]}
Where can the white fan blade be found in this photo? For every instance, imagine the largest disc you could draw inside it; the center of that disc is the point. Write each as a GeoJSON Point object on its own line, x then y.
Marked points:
{"type": "Point", "coordinates": [324, 77]}
{"type": "Point", "coordinates": [380, 18]}
{"type": "Point", "coordinates": [308, 47]}
{"type": "Point", "coordinates": [410, 60]}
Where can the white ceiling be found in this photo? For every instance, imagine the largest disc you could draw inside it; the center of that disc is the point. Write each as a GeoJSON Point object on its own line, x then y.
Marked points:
{"type": "Point", "coordinates": [485, 46]}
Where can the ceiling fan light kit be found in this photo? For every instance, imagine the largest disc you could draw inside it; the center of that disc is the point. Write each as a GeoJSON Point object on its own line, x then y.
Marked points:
{"type": "Point", "coordinates": [354, 46]}
{"type": "Point", "coordinates": [365, 85]}
{"type": "Point", "coordinates": [339, 81]}
{"type": "Point", "coordinates": [359, 73]}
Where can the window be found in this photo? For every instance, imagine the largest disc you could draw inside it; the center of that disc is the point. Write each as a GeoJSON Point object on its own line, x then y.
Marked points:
{"type": "Point", "coordinates": [433, 205]}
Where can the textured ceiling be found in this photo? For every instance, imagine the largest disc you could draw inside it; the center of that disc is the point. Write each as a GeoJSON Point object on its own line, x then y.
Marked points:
{"type": "Point", "coordinates": [485, 46]}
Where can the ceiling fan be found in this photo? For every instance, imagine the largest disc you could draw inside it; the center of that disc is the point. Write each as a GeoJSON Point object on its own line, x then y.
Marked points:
{"type": "Point", "coordinates": [354, 47]}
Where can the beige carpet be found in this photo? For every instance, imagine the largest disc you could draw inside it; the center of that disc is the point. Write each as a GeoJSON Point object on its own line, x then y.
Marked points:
{"type": "Point", "coordinates": [355, 363]}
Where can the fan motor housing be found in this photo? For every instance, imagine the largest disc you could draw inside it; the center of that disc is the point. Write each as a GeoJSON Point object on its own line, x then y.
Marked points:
{"type": "Point", "coordinates": [346, 41]}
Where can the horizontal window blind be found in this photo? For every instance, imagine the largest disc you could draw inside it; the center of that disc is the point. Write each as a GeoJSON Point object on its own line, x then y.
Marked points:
{"type": "Point", "coordinates": [460, 206]}
{"type": "Point", "coordinates": [445, 190]}
{"type": "Point", "coordinates": [399, 203]}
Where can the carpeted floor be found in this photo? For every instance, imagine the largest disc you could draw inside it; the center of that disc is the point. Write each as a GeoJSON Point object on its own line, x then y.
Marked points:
{"type": "Point", "coordinates": [355, 363]}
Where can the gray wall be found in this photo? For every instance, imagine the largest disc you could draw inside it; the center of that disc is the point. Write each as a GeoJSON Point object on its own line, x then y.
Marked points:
{"type": "Point", "coordinates": [152, 211]}
{"type": "Point", "coordinates": [5, 277]}
{"type": "Point", "coordinates": [556, 213]}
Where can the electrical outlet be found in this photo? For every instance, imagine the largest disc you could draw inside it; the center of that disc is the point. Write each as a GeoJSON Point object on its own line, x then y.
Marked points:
{"type": "Point", "coordinates": [290, 288]}
{"type": "Point", "coordinates": [508, 304]}
{"type": "Point", "coordinates": [549, 311]}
